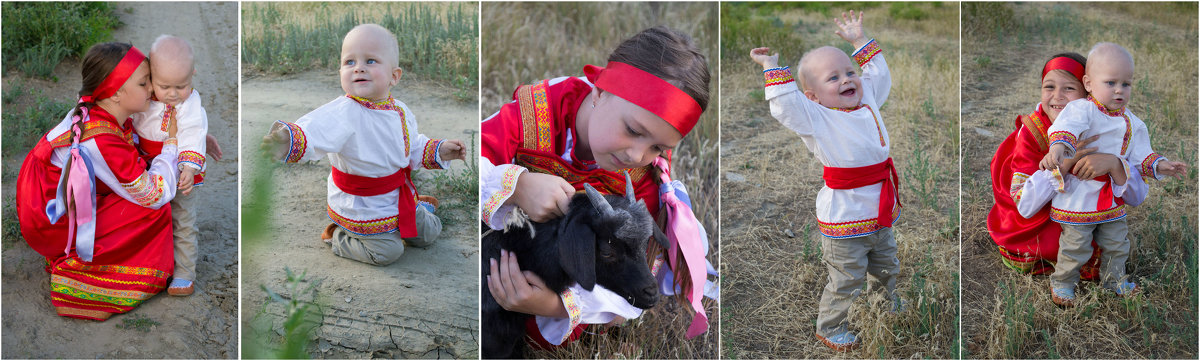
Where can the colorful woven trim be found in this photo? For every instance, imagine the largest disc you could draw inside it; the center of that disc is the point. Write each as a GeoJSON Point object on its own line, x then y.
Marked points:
{"type": "Point", "coordinates": [146, 189]}
{"type": "Point", "coordinates": [851, 109]}
{"type": "Point", "coordinates": [508, 183]}
{"type": "Point", "coordinates": [1017, 185]}
{"type": "Point", "coordinates": [168, 112]}
{"type": "Point", "coordinates": [778, 76]}
{"type": "Point", "coordinates": [610, 182]}
{"type": "Point", "coordinates": [80, 290]}
{"type": "Point", "coordinates": [79, 312]}
{"type": "Point", "coordinates": [363, 228]}
{"type": "Point", "coordinates": [1128, 134]}
{"type": "Point", "coordinates": [574, 312]}
{"type": "Point", "coordinates": [1104, 109]}
{"type": "Point", "coordinates": [855, 228]}
{"type": "Point", "coordinates": [92, 129]}
{"type": "Point", "coordinates": [1150, 164]}
{"type": "Point", "coordinates": [535, 116]}
{"type": "Point", "coordinates": [129, 270]}
{"type": "Point", "coordinates": [1064, 137]}
{"type": "Point", "coordinates": [429, 156]}
{"type": "Point", "coordinates": [298, 144]}
{"type": "Point", "coordinates": [866, 53]}
{"type": "Point", "coordinates": [192, 157]}
{"type": "Point", "coordinates": [1079, 218]}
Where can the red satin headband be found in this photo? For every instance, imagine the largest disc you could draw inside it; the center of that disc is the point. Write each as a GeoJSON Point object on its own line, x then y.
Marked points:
{"type": "Point", "coordinates": [115, 79]}
{"type": "Point", "coordinates": [647, 91]}
{"type": "Point", "coordinates": [1064, 63]}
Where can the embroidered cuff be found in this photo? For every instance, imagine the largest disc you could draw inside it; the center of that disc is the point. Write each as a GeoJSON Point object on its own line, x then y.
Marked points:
{"type": "Point", "coordinates": [573, 312]}
{"type": "Point", "coordinates": [866, 52]}
{"type": "Point", "coordinates": [1064, 137]}
{"type": "Point", "coordinates": [147, 189]}
{"type": "Point", "coordinates": [508, 183]}
{"type": "Point", "coordinates": [430, 158]}
{"type": "Point", "coordinates": [778, 76]}
{"type": "Point", "coordinates": [1017, 185]}
{"type": "Point", "coordinates": [297, 144]}
{"type": "Point", "coordinates": [1150, 164]}
{"type": "Point", "coordinates": [192, 159]}
{"type": "Point", "coordinates": [171, 142]}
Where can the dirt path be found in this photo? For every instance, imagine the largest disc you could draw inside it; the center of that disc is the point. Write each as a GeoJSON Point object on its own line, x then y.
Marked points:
{"type": "Point", "coordinates": [203, 325]}
{"type": "Point", "coordinates": [423, 306]}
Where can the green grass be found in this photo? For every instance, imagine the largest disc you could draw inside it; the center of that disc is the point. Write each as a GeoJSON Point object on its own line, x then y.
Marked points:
{"type": "Point", "coordinates": [303, 316]}
{"type": "Point", "coordinates": [28, 116]}
{"type": "Point", "coordinates": [436, 41]}
{"type": "Point", "coordinates": [138, 323]}
{"type": "Point", "coordinates": [39, 35]}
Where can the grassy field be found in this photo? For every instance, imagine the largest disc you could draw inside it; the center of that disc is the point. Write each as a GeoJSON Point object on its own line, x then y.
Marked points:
{"type": "Point", "coordinates": [773, 281]}
{"type": "Point", "coordinates": [437, 40]}
{"type": "Point", "coordinates": [1009, 315]}
{"type": "Point", "coordinates": [527, 42]}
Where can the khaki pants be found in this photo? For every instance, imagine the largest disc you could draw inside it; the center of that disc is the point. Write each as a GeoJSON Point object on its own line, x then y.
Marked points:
{"type": "Point", "coordinates": [183, 224]}
{"type": "Point", "coordinates": [1075, 248]}
{"type": "Point", "coordinates": [385, 248]}
{"type": "Point", "coordinates": [849, 261]}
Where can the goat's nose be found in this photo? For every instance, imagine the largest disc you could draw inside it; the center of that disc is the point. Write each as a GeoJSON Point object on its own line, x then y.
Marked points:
{"type": "Point", "coordinates": [650, 292]}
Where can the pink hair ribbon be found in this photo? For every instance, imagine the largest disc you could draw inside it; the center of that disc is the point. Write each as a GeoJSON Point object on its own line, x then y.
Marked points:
{"type": "Point", "coordinates": [683, 231]}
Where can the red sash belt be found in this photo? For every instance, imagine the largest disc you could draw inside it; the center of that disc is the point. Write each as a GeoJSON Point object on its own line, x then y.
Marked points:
{"type": "Point", "coordinates": [1106, 194]}
{"type": "Point", "coordinates": [406, 221]}
{"type": "Point", "coordinates": [884, 172]}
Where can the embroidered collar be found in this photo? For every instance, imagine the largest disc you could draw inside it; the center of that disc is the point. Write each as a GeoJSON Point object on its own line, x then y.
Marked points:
{"type": "Point", "coordinates": [1104, 109]}
{"type": "Point", "coordinates": [386, 104]}
{"type": "Point", "coordinates": [860, 106]}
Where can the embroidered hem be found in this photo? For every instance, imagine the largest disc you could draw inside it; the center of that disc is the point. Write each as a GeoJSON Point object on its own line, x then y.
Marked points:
{"type": "Point", "coordinates": [193, 158]}
{"type": "Point", "coordinates": [778, 76]}
{"type": "Point", "coordinates": [363, 228]}
{"type": "Point", "coordinates": [1148, 165]}
{"type": "Point", "coordinates": [1064, 137]}
{"type": "Point", "coordinates": [866, 53]}
{"type": "Point", "coordinates": [573, 312]}
{"type": "Point", "coordinates": [1081, 218]}
{"type": "Point", "coordinates": [855, 228]}
{"type": "Point", "coordinates": [147, 189]}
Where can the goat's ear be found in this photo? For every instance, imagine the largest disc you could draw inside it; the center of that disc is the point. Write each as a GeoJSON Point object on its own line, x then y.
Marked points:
{"type": "Point", "coordinates": [577, 252]}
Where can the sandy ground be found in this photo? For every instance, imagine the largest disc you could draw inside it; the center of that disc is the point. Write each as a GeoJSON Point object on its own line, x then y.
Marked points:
{"type": "Point", "coordinates": [201, 326]}
{"type": "Point", "coordinates": [423, 306]}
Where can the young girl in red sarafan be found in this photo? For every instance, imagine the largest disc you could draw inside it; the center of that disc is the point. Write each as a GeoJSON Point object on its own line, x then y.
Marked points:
{"type": "Point", "coordinates": [562, 133]}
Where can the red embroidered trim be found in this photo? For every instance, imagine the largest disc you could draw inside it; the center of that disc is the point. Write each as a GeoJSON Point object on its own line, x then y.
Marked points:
{"type": "Point", "coordinates": [778, 76]}
{"type": "Point", "coordinates": [429, 156]}
{"type": "Point", "coordinates": [299, 143]}
{"type": "Point", "coordinates": [867, 53]}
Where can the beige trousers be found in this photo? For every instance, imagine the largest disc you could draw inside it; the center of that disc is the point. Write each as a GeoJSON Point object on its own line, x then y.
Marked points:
{"type": "Point", "coordinates": [183, 225]}
{"type": "Point", "coordinates": [1075, 248]}
{"type": "Point", "coordinates": [849, 261]}
{"type": "Point", "coordinates": [385, 248]}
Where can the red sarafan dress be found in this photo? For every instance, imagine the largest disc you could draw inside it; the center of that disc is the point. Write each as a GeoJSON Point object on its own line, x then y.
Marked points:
{"type": "Point", "coordinates": [536, 131]}
{"type": "Point", "coordinates": [1028, 245]}
{"type": "Point", "coordinates": [132, 253]}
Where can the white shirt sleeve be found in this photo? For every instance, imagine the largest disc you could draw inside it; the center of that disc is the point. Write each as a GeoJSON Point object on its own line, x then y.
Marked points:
{"type": "Point", "coordinates": [598, 306]}
{"type": "Point", "coordinates": [1038, 190]}
{"type": "Point", "coordinates": [193, 129]}
{"type": "Point", "coordinates": [499, 182]}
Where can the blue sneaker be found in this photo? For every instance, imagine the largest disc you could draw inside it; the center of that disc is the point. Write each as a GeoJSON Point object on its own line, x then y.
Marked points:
{"type": "Point", "coordinates": [1126, 289]}
{"type": "Point", "coordinates": [842, 342]}
{"type": "Point", "coordinates": [1064, 297]}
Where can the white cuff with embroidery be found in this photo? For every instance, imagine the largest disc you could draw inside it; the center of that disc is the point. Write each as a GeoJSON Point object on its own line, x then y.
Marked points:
{"type": "Point", "coordinates": [598, 306]}
{"type": "Point", "coordinates": [499, 182]}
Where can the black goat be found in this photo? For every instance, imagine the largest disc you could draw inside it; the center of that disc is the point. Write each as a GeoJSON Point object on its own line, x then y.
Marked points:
{"type": "Point", "coordinates": [601, 240]}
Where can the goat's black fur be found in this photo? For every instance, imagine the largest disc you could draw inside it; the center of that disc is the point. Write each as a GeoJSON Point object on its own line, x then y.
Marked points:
{"type": "Point", "coordinates": [589, 245]}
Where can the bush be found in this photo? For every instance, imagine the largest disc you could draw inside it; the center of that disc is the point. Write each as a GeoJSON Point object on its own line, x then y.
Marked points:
{"type": "Point", "coordinates": [46, 33]}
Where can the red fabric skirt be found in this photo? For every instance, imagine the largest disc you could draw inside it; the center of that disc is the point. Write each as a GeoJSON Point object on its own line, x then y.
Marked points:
{"type": "Point", "coordinates": [133, 252]}
{"type": "Point", "coordinates": [1027, 245]}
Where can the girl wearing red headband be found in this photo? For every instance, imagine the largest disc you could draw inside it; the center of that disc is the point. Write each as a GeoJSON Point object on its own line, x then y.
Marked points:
{"type": "Point", "coordinates": [1030, 245]}
{"type": "Point", "coordinates": [562, 133]}
{"type": "Point", "coordinates": [87, 202]}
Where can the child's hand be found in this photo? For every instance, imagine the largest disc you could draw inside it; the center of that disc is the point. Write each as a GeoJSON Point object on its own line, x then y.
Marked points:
{"type": "Point", "coordinates": [851, 29]}
{"type": "Point", "coordinates": [187, 178]}
{"type": "Point", "coordinates": [521, 291]}
{"type": "Point", "coordinates": [1171, 169]}
{"type": "Point", "coordinates": [759, 55]}
{"type": "Point", "coordinates": [452, 149]}
{"type": "Point", "coordinates": [213, 148]}
{"type": "Point", "coordinates": [542, 196]}
{"type": "Point", "coordinates": [276, 141]}
{"type": "Point", "coordinates": [1054, 157]}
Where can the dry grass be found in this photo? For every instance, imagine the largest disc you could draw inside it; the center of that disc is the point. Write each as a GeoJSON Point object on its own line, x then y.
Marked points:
{"type": "Point", "coordinates": [527, 42]}
{"type": "Point", "coordinates": [773, 282]}
{"type": "Point", "coordinates": [1009, 315]}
